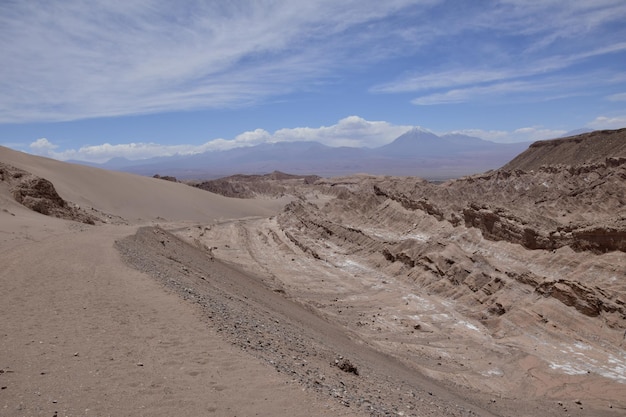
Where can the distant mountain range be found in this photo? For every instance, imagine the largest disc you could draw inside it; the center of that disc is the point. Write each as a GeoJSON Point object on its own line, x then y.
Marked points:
{"type": "Point", "coordinates": [415, 153]}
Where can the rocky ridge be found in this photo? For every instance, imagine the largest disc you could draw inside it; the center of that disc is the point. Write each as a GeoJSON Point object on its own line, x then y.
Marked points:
{"type": "Point", "coordinates": [574, 151]}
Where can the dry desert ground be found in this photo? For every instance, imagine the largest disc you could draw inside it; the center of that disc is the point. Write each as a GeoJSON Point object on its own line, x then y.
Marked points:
{"type": "Point", "coordinates": [499, 294]}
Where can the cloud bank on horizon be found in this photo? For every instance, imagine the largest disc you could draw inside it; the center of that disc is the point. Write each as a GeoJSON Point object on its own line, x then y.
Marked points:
{"type": "Point", "coordinates": [351, 131]}
{"type": "Point", "coordinates": [508, 70]}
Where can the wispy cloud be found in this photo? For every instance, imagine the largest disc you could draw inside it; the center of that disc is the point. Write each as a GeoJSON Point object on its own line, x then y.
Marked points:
{"type": "Point", "coordinates": [606, 122]}
{"type": "Point", "coordinates": [465, 94]}
{"type": "Point", "coordinates": [469, 76]}
{"type": "Point", "coordinates": [519, 44]}
{"type": "Point", "coordinates": [617, 97]}
{"type": "Point", "coordinates": [535, 133]}
{"type": "Point", "coordinates": [544, 89]}
{"type": "Point", "coordinates": [351, 131]}
{"type": "Point", "coordinates": [70, 60]}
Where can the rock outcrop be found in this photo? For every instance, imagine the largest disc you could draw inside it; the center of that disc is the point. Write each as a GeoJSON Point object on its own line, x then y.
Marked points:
{"type": "Point", "coordinates": [39, 194]}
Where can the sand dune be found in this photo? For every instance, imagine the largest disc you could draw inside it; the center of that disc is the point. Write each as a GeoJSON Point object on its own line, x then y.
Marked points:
{"type": "Point", "coordinates": [134, 197]}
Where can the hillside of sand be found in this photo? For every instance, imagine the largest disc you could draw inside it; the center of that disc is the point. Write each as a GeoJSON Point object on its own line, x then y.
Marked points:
{"type": "Point", "coordinates": [496, 294]}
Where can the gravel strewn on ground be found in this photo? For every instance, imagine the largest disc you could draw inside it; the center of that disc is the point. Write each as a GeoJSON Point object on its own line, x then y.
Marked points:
{"type": "Point", "coordinates": [293, 339]}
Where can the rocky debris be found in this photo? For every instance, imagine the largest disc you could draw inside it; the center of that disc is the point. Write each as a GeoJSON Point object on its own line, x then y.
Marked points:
{"type": "Point", "coordinates": [600, 239]}
{"type": "Point", "coordinates": [498, 224]}
{"type": "Point", "coordinates": [39, 194]}
{"type": "Point", "coordinates": [346, 366]}
{"type": "Point", "coordinates": [165, 177]}
{"type": "Point", "coordinates": [410, 204]}
{"type": "Point", "coordinates": [591, 302]}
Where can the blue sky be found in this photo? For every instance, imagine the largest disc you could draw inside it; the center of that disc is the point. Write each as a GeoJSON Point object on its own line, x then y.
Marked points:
{"type": "Point", "coordinates": [141, 78]}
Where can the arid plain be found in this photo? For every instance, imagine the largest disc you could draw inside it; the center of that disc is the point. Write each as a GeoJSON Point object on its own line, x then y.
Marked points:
{"type": "Point", "coordinates": [499, 294]}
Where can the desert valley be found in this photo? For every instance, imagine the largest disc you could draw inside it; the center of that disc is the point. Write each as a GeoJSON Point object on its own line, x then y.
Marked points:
{"type": "Point", "coordinates": [496, 294]}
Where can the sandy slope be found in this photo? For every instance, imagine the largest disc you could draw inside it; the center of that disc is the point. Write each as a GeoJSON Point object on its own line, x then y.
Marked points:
{"type": "Point", "coordinates": [132, 197]}
{"type": "Point", "coordinates": [83, 334]}
{"type": "Point", "coordinates": [291, 336]}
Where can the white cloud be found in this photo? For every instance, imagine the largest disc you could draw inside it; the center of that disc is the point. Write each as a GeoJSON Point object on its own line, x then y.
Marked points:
{"type": "Point", "coordinates": [106, 151]}
{"type": "Point", "coordinates": [350, 131]}
{"type": "Point", "coordinates": [141, 150]}
{"type": "Point", "coordinates": [603, 122]}
{"type": "Point", "coordinates": [535, 133]}
{"type": "Point", "coordinates": [525, 134]}
{"type": "Point", "coordinates": [43, 147]}
{"type": "Point", "coordinates": [617, 97]}
{"type": "Point", "coordinates": [252, 138]}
